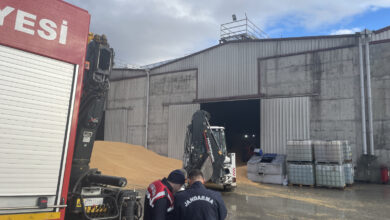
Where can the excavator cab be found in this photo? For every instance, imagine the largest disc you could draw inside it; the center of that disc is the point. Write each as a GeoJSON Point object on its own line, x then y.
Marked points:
{"type": "Point", "coordinates": [219, 135]}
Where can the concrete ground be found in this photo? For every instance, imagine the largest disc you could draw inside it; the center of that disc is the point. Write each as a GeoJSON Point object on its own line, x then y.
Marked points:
{"type": "Point", "coordinates": [266, 201]}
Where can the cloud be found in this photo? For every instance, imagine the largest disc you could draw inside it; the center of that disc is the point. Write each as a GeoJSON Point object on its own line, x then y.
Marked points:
{"type": "Point", "coordinates": [345, 31]}
{"type": "Point", "coordinates": [147, 31]}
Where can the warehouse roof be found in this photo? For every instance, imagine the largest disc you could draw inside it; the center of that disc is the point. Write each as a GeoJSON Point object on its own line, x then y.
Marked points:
{"type": "Point", "coordinates": [167, 62]}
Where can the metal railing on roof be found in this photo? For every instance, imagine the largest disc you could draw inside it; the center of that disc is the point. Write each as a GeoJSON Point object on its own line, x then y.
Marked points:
{"type": "Point", "coordinates": [241, 30]}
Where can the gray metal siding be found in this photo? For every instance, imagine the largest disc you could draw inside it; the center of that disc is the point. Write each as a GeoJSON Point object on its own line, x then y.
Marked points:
{"type": "Point", "coordinates": [281, 120]}
{"type": "Point", "coordinates": [179, 118]}
{"type": "Point", "coordinates": [385, 35]}
{"type": "Point", "coordinates": [126, 110]}
{"type": "Point", "coordinates": [116, 125]}
{"type": "Point", "coordinates": [231, 69]}
{"type": "Point", "coordinates": [118, 74]}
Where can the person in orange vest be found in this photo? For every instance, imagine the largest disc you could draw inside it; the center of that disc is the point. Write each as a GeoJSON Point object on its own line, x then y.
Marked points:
{"type": "Point", "coordinates": [159, 196]}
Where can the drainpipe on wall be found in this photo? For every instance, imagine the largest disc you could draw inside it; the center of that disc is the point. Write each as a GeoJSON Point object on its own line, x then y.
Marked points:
{"type": "Point", "coordinates": [362, 94]}
{"type": "Point", "coordinates": [368, 68]}
{"type": "Point", "coordinates": [147, 107]}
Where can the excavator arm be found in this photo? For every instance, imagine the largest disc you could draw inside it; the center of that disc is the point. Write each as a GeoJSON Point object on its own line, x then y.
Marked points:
{"type": "Point", "coordinates": [202, 150]}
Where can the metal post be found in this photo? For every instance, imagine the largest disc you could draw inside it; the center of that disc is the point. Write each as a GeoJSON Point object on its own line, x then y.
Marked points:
{"type": "Point", "coordinates": [362, 94]}
{"type": "Point", "coordinates": [368, 68]}
{"type": "Point", "coordinates": [246, 25]}
{"type": "Point", "coordinates": [147, 107]}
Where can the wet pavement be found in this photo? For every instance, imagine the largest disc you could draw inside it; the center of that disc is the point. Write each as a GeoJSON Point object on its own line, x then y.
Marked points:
{"type": "Point", "coordinates": [265, 201]}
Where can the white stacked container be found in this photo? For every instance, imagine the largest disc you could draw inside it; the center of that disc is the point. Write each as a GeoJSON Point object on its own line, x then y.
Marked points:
{"type": "Point", "coordinates": [349, 173]}
{"type": "Point", "coordinates": [329, 158]}
{"type": "Point", "coordinates": [348, 165]}
{"type": "Point", "coordinates": [301, 174]}
{"type": "Point", "coordinates": [333, 163]}
{"type": "Point", "coordinates": [300, 151]}
{"type": "Point", "coordinates": [329, 151]}
{"type": "Point", "coordinates": [347, 151]}
{"type": "Point", "coordinates": [300, 168]}
{"type": "Point", "coordinates": [330, 175]}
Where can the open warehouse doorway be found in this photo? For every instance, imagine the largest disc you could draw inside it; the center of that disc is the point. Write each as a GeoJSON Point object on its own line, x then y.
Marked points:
{"type": "Point", "coordinates": [241, 120]}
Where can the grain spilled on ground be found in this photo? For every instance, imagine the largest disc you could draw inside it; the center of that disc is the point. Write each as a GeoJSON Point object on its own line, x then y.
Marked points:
{"type": "Point", "coordinates": [242, 178]}
{"type": "Point", "coordinates": [139, 165]}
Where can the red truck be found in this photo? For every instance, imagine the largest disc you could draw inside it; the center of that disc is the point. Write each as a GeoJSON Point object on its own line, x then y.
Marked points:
{"type": "Point", "coordinates": [51, 104]}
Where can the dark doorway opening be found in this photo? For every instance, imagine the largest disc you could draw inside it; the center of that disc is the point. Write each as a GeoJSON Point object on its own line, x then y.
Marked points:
{"type": "Point", "coordinates": [241, 120]}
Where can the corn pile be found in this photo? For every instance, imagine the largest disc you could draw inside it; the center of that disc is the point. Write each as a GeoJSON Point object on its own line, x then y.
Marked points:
{"type": "Point", "coordinates": [139, 165]}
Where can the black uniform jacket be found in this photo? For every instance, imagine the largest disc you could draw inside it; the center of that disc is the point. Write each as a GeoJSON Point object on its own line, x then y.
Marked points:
{"type": "Point", "coordinates": [199, 203]}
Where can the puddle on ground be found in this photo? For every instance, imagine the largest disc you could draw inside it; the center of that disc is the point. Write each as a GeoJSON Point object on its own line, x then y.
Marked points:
{"type": "Point", "coordinates": [276, 202]}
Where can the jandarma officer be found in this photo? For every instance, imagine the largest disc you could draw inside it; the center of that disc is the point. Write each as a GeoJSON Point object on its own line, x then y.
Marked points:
{"type": "Point", "coordinates": [159, 196]}
{"type": "Point", "coordinates": [197, 202]}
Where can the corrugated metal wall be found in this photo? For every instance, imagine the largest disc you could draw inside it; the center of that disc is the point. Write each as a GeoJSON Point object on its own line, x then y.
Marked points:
{"type": "Point", "coordinates": [115, 128]}
{"type": "Point", "coordinates": [231, 69]}
{"type": "Point", "coordinates": [126, 109]}
{"type": "Point", "coordinates": [179, 118]}
{"type": "Point", "coordinates": [118, 74]}
{"type": "Point", "coordinates": [281, 120]}
{"type": "Point", "coordinates": [384, 35]}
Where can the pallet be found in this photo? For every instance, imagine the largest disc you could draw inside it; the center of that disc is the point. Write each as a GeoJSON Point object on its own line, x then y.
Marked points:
{"type": "Point", "coordinates": [332, 187]}
{"type": "Point", "coordinates": [301, 162]}
{"type": "Point", "coordinates": [300, 185]}
{"type": "Point", "coordinates": [329, 163]}
{"type": "Point", "coordinates": [349, 185]}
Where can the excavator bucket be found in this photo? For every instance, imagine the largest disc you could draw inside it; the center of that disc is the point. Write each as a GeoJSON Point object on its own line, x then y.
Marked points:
{"type": "Point", "coordinates": [207, 169]}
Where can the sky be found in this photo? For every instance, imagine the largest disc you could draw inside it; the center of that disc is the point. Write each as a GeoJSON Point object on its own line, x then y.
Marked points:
{"type": "Point", "coordinates": [148, 31]}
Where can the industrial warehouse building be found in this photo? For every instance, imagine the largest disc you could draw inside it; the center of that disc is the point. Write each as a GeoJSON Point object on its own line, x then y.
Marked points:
{"type": "Point", "coordinates": [274, 90]}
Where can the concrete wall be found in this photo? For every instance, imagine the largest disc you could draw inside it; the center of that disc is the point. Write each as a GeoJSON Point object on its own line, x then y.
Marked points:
{"type": "Point", "coordinates": [167, 89]}
{"type": "Point", "coordinates": [380, 82]}
{"type": "Point", "coordinates": [126, 107]}
{"type": "Point", "coordinates": [331, 79]}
